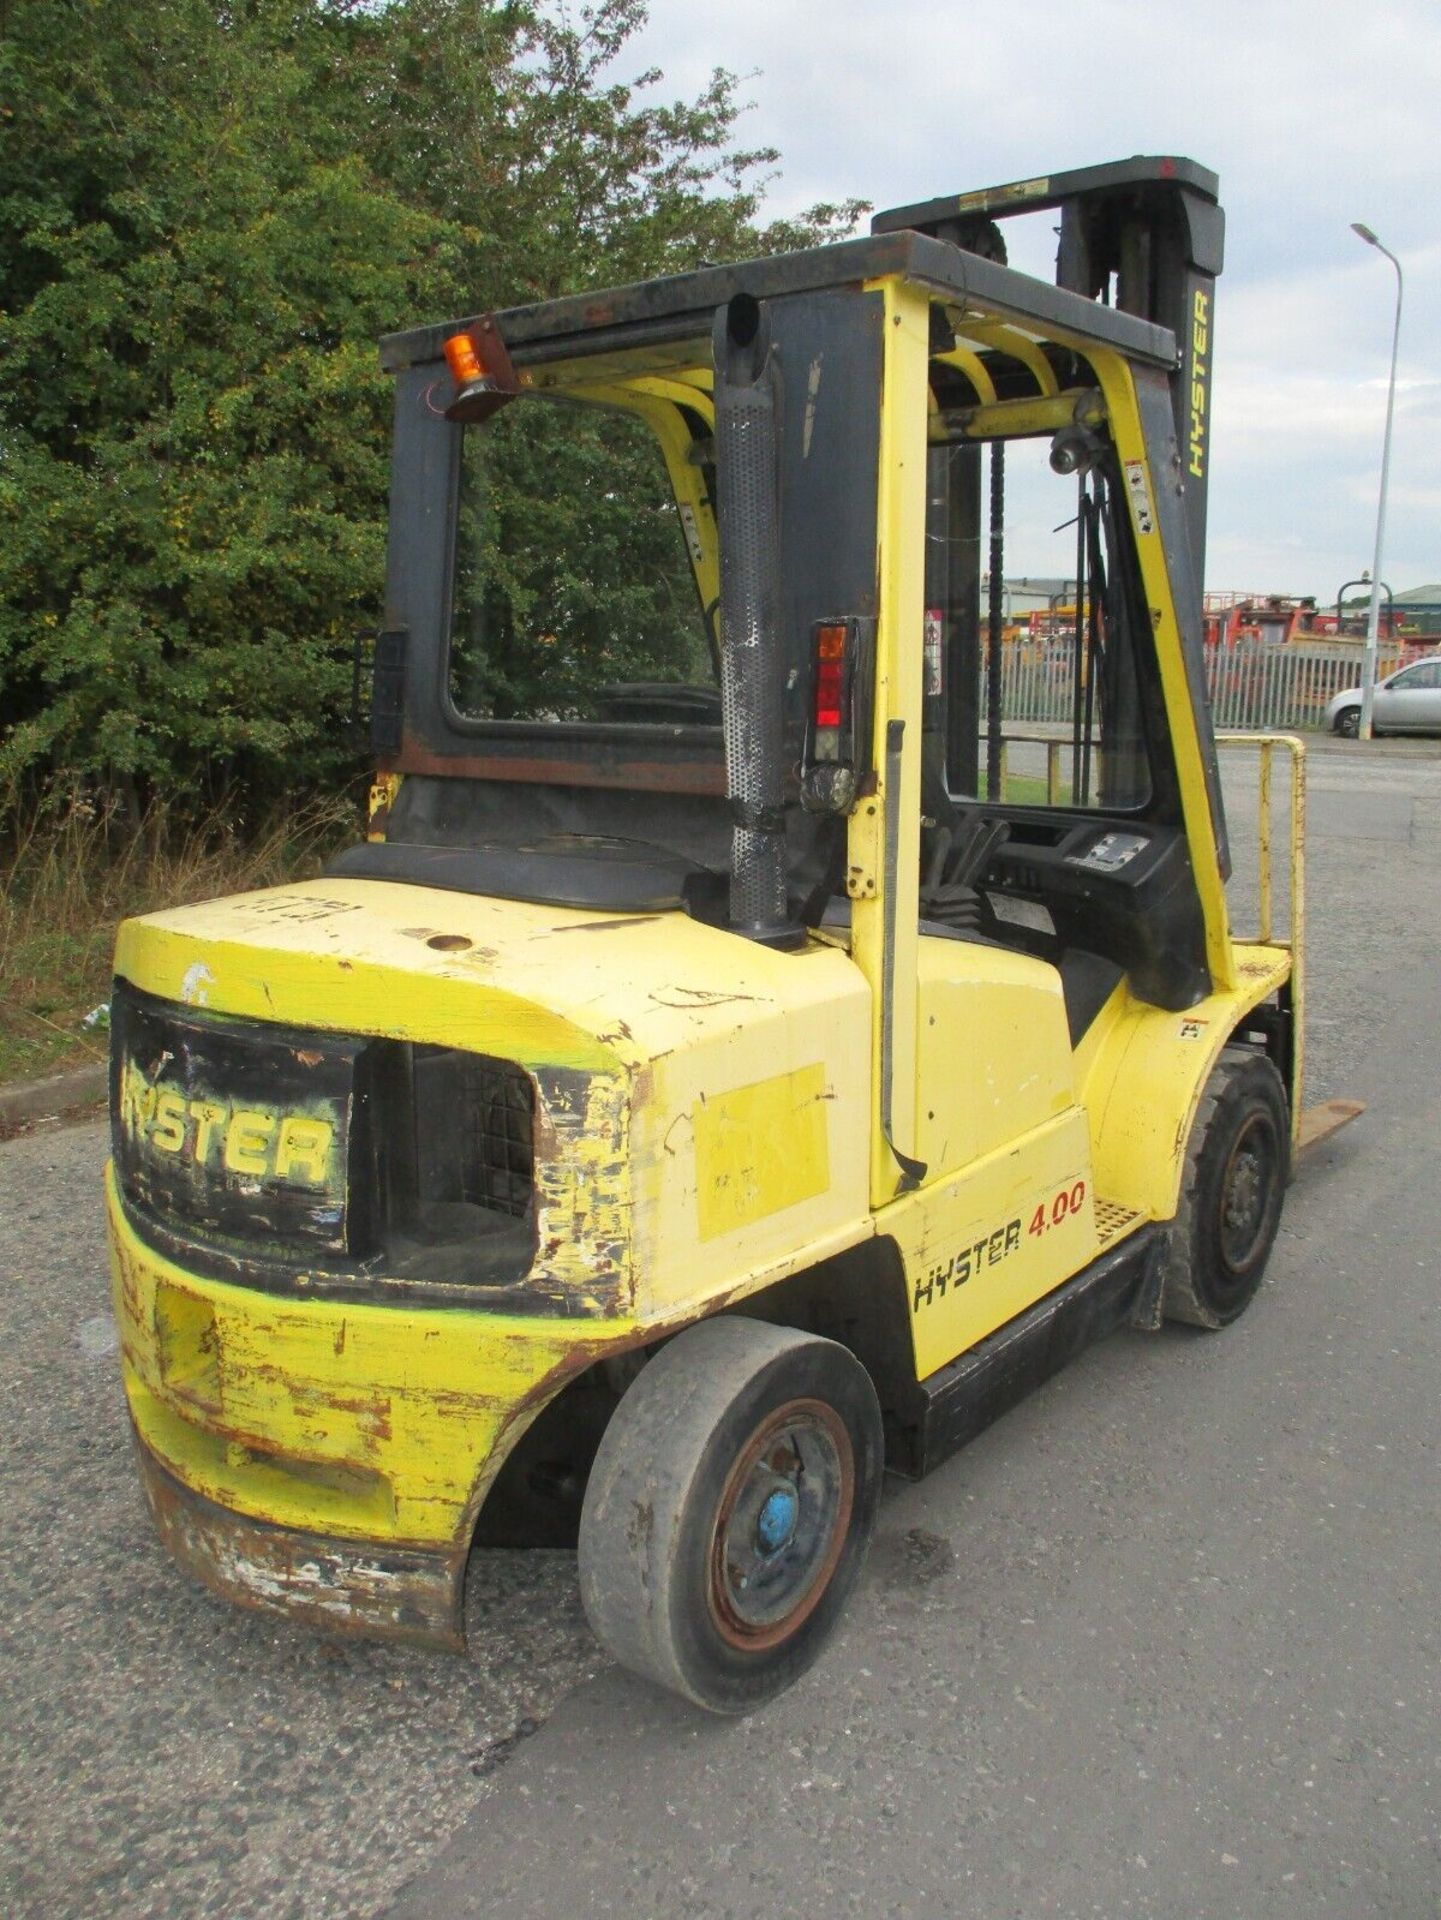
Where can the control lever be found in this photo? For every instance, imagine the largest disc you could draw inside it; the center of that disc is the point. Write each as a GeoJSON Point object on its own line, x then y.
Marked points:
{"type": "Point", "coordinates": [958, 859]}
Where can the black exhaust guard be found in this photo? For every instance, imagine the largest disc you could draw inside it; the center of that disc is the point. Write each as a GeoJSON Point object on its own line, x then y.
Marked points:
{"type": "Point", "coordinates": [747, 395]}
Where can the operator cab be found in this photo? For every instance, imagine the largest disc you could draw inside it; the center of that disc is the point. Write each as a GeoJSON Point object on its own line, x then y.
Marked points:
{"type": "Point", "coordinates": [1059, 830]}
{"type": "Point", "coordinates": [553, 682]}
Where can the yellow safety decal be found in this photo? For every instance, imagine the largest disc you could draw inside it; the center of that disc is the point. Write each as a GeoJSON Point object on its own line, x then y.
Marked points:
{"type": "Point", "coordinates": [760, 1148]}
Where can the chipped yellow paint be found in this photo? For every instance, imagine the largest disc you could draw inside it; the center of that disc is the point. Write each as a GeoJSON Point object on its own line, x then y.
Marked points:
{"type": "Point", "coordinates": [383, 791]}
{"type": "Point", "coordinates": [627, 1025]}
{"type": "Point", "coordinates": [759, 1149]}
{"type": "Point", "coordinates": [583, 1193]}
{"type": "Point", "coordinates": [347, 1419]}
{"type": "Point", "coordinates": [338, 957]}
{"type": "Point", "coordinates": [525, 982]}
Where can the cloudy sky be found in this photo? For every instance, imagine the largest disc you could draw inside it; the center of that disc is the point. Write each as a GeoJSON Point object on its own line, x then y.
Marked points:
{"type": "Point", "coordinates": [1313, 114]}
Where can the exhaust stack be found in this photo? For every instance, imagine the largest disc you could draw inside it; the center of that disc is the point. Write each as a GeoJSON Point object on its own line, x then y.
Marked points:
{"type": "Point", "coordinates": [752, 666]}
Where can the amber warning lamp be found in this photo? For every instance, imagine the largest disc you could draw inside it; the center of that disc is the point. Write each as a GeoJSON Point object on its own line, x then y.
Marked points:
{"type": "Point", "coordinates": [480, 366]}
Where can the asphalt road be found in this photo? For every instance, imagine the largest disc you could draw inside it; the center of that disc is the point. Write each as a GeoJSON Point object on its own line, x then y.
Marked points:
{"type": "Point", "coordinates": [1162, 1642]}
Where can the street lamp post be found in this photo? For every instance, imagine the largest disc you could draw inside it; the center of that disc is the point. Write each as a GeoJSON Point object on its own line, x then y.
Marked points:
{"type": "Point", "coordinates": [1373, 617]}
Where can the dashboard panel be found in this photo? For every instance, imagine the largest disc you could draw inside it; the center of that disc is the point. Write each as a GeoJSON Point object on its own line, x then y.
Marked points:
{"type": "Point", "coordinates": [1120, 888]}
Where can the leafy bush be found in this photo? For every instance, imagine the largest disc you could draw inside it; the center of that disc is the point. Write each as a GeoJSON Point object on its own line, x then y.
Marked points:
{"type": "Point", "coordinates": [208, 212]}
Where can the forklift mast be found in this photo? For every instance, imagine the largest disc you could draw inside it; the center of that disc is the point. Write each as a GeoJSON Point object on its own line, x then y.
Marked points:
{"type": "Point", "coordinates": [1144, 235]}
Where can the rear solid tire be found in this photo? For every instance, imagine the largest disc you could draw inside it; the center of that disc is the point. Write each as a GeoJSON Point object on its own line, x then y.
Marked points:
{"type": "Point", "coordinates": [1232, 1187]}
{"type": "Point", "coordinates": [729, 1510]}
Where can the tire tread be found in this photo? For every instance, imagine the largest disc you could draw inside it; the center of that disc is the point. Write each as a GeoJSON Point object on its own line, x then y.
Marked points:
{"type": "Point", "coordinates": [651, 1457]}
{"type": "Point", "coordinates": [1180, 1297]}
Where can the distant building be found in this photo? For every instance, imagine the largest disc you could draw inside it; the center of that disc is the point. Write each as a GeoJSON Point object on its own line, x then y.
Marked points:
{"type": "Point", "coordinates": [1418, 613]}
{"type": "Point", "coordinates": [1419, 610]}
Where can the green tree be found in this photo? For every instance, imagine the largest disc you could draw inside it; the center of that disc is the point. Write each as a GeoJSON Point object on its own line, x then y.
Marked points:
{"type": "Point", "coordinates": [207, 215]}
{"type": "Point", "coordinates": [571, 569]}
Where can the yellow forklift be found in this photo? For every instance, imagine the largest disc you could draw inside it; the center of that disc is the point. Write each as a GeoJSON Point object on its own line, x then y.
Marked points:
{"type": "Point", "coordinates": [733, 1063]}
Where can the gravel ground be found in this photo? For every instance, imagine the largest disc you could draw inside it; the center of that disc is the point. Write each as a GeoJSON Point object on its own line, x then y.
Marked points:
{"type": "Point", "coordinates": [165, 1754]}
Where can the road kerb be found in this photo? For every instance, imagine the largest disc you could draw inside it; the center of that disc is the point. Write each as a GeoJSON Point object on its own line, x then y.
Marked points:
{"type": "Point", "coordinates": [48, 1099]}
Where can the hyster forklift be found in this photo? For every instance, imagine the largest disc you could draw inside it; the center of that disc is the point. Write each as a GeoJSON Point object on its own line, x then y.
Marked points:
{"type": "Point", "coordinates": [734, 1063]}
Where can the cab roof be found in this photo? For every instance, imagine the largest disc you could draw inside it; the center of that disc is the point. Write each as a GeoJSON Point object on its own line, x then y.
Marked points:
{"type": "Point", "coordinates": [680, 306]}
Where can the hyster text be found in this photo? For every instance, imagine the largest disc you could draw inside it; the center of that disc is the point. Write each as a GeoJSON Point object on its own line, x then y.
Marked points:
{"type": "Point", "coordinates": [988, 1251]}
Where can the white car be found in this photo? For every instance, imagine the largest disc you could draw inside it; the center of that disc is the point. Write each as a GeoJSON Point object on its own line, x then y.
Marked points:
{"type": "Point", "coordinates": [1407, 701]}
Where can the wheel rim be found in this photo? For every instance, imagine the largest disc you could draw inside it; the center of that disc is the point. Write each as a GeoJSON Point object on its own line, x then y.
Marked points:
{"type": "Point", "coordinates": [1248, 1187]}
{"type": "Point", "coordinates": [781, 1524]}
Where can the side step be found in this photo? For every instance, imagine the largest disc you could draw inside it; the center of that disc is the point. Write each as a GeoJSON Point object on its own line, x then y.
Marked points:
{"type": "Point", "coordinates": [1320, 1123]}
{"type": "Point", "coordinates": [960, 1400]}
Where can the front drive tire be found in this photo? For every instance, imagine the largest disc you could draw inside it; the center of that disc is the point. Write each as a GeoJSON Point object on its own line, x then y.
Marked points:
{"type": "Point", "coordinates": [1237, 1165]}
{"type": "Point", "coordinates": [729, 1510]}
{"type": "Point", "coordinates": [1348, 723]}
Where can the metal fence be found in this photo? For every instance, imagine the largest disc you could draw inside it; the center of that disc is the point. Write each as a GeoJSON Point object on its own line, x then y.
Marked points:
{"type": "Point", "coordinates": [1253, 686]}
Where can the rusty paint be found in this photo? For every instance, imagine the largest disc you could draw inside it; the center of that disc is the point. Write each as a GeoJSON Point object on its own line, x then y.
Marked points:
{"type": "Point", "coordinates": [372, 1414]}
{"type": "Point", "coordinates": [382, 1445]}
{"type": "Point", "coordinates": [391, 1593]}
{"type": "Point", "coordinates": [1323, 1122]}
{"type": "Point", "coordinates": [572, 768]}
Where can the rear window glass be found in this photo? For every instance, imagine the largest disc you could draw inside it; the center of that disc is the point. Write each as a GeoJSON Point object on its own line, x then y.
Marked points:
{"type": "Point", "coordinates": [574, 597]}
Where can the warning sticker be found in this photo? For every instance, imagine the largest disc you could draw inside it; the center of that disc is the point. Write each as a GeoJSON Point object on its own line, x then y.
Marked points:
{"type": "Point", "coordinates": [933, 651]}
{"type": "Point", "coordinates": [692, 536]}
{"type": "Point", "coordinates": [1140, 496]}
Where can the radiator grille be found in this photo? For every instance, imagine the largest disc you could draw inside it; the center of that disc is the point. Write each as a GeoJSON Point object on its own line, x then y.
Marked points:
{"type": "Point", "coordinates": [498, 1166]}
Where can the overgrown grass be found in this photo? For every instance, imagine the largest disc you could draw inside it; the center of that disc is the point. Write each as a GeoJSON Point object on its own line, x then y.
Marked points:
{"type": "Point", "coordinates": [72, 870]}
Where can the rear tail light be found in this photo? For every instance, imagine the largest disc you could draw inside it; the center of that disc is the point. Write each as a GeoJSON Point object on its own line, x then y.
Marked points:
{"type": "Point", "coordinates": [837, 725]}
{"type": "Point", "coordinates": [832, 690]}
